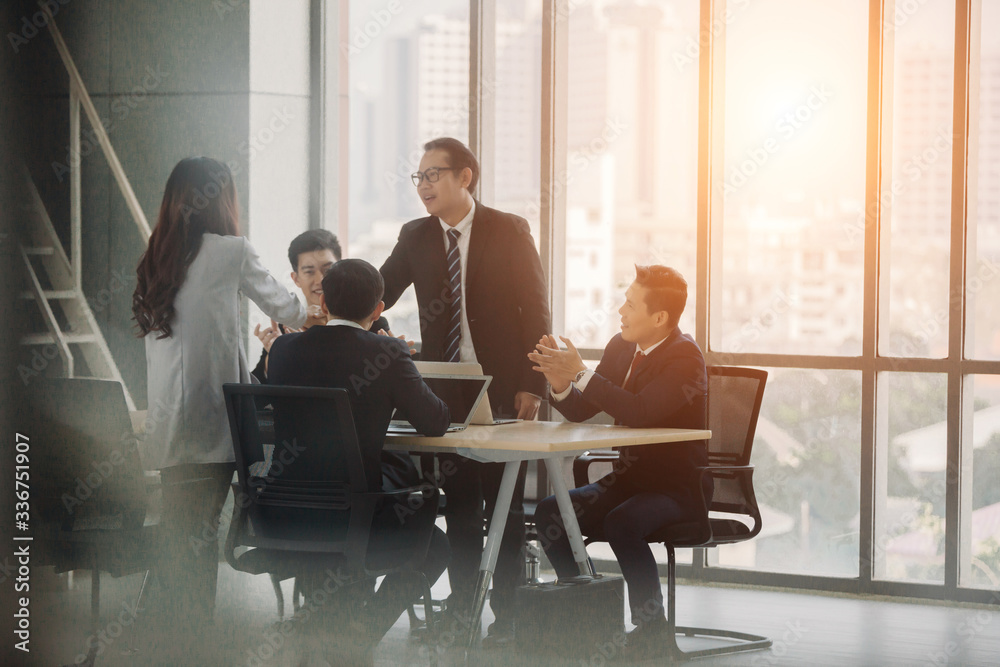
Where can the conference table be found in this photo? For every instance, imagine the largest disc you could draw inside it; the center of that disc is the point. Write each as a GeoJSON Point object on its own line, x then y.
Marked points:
{"type": "Point", "coordinates": [550, 442]}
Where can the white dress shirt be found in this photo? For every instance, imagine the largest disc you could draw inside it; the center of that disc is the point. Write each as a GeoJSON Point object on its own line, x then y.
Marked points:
{"type": "Point", "coordinates": [466, 351]}
{"type": "Point", "coordinates": [587, 374]}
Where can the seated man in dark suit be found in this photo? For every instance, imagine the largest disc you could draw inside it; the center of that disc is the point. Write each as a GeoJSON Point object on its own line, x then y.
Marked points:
{"type": "Point", "coordinates": [380, 377]}
{"type": "Point", "coordinates": [651, 375]}
{"type": "Point", "coordinates": [311, 255]}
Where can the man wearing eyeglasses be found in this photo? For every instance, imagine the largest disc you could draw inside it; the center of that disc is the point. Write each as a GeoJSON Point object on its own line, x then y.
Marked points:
{"type": "Point", "coordinates": [482, 298]}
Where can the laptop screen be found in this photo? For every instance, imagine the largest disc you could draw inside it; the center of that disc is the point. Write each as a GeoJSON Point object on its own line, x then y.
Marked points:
{"type": "Point", "coordinates": [461, 393]}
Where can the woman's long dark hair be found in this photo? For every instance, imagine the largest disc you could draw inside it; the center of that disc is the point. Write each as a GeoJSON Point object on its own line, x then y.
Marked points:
{"type": "Point", "coordinates": [200, 198]}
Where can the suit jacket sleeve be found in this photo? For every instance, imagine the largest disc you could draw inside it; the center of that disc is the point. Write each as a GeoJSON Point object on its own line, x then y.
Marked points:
{"type": "Point", "coordinates": [396, 271]}
{"type": "Point", "coordinates": [534, 304]}
{"type": "Point", "coordinates": [261, 287]}
{"type": "Point", "coordinates": [575, 407]}
{"type": "Point", "coordinates": [260, 370]}
{"type": "Point", "coordinates": [410, 394]}
{"type": "Point", "coordinates": [675, 383]}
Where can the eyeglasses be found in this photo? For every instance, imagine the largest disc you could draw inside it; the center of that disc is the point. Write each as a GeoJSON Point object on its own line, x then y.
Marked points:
{"type": "Point", "coordinates": [432, 175]}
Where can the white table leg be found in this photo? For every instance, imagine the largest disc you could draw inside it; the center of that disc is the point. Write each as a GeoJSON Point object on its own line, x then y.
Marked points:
{"type": "Point", "coordinates": [492, 549]}
{"type": "Point", "coordinates": [554, 467]}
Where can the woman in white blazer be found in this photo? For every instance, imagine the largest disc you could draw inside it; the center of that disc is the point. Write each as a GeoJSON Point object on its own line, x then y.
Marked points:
{"type": "Point", "coordinates": [187, 307]}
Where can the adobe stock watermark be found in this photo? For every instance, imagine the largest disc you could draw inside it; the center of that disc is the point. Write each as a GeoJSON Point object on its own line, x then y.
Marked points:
{"type": "Point", "coordinates": [971, 626]}
{"type": "Point", "coordinates": [280, 459]}
{"type": "Point", "coordinates": [578, 160]}
{"type": "Point", "coordinates": [121, 107]}
{"type": "Point", "coordinates": [362, 36]}
{"type": "Point", "coordinates": [934, 323]}
{"type": "Point", "coordinates": [28, 29]}
{"type": "Point", "coordinates": [785, 129]}
{"type": "Point", "coordinates": [279, 121]}
{"type": "Point", "coordinates": [794, 631]}
{"type": "Point", "coordinates": [456, 114]}
{"type": "Point", "coordinates": [101, 641]}
{"type": "Point", "coordinates": [903, 11]}
{"type": "Point", "coordinates": [912, 170]}
{"type": "Point", "coordinates": [128, 444]}
{"type": "Point", "coordinates": [692, 49]}
{"type": "Point", "coordinates": [320, 597]}
{"type": "Point", "coordinates": [753, 329]}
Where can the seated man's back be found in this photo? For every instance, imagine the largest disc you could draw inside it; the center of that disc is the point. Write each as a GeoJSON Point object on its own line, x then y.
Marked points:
{"type": "Point", "coordinates": [375, 370]}
{"type": "Point", "coordinates": [379, 377]}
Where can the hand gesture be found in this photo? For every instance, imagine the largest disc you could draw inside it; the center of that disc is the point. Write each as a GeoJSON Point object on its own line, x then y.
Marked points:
{"type": "Point", "coordinates": [268, 335]}
{"type": "Point", "coordinates": [409, 343]}
{"type": "Point", "coordinates": [559, 366]}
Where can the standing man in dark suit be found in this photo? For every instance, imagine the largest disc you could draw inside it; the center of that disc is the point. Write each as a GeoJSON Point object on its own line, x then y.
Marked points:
{"type": "Point", "coordinates": [482, 297]}
{"type": "Point", "coordinates": [342, 354]}
{"type": "Point", "coordinates": [651, 375]}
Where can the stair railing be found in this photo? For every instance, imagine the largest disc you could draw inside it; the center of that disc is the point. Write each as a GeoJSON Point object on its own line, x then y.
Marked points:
{"type": "Point", "coordinates": [78, 97]}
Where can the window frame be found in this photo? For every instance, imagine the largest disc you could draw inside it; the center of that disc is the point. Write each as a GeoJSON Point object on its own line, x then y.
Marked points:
{"type": "Point", "coordinates": [332, 115]}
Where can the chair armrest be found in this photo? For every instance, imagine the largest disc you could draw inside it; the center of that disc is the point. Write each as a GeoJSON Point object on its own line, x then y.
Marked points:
{"type": "Point", "coordinates": [745, 473]}
{"type": "Point", "coordinates": [581, 465]}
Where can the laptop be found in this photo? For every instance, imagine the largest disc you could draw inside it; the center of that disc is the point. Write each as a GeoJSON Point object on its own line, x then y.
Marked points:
{"type": "Point", "coordinates": [483, 415]}
{"type": "Point", "coordinates": [463, 394]}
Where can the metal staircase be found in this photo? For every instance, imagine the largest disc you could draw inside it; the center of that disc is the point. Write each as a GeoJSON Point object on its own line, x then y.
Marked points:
{"type": "Point", "coordinates": [55, 279]}
{"type": "Point", "coordinates": [54, 286]}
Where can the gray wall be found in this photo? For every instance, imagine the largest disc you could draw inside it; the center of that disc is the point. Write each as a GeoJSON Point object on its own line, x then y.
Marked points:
{"type": "Point", "coordinates": [227, 79]}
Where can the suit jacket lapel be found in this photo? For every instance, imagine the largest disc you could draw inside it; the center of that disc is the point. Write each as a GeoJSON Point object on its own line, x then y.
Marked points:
{"type": "Point", "coordinates": [623, 363]}
{"type": "Point", "coordinates": [433, 252]}
{"type": "Point", "coordinates": [479, 239]}
{"type": "Point", "coordinates": [647, 365]}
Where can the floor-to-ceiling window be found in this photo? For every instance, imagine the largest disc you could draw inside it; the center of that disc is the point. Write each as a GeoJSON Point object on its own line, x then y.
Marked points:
{"type": "Point", "coordinates": [827, 177]}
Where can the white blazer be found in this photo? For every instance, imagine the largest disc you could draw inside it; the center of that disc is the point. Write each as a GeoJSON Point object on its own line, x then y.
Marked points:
{"type": "Point", "coordinates": [186, 421]}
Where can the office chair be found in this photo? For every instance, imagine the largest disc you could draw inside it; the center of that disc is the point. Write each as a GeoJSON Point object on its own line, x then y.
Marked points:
{"type": "Point", "coordinates": [304, 502]}
{"type": "Point", "coordinates": [89, 497]}
{"type": "Point", "coordinates": [734, 400]}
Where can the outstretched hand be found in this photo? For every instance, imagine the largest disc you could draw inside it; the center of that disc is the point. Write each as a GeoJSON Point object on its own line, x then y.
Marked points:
{"type": "Point", "coordinates": [409, 343]}
{"type": "Point", "coordinates": [559, 366]}
{"type": "Point", "coordinates": [268, 335]}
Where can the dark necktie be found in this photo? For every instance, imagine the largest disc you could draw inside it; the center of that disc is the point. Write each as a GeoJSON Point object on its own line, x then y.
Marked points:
{"type": "Point", "coordinates": [453, 339]}
{"type": "Point", "coordinates": [630, 382]}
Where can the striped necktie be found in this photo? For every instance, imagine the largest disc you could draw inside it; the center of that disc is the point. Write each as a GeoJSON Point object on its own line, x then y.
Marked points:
{"type": "Point", "coordinates": [452, 341]}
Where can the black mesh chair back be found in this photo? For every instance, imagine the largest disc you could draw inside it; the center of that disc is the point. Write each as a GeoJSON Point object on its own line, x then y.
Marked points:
{"type": "Point", "coordinates": [303, 495]}
{"type": "Point", "coordinates": [734, 400]}
{"type": "Point", "coordinates": [87, 463]}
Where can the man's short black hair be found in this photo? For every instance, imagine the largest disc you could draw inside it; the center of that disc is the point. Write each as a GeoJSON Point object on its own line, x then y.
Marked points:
{"type": "Point", "coordinates": [314, 239]}
{"type": "Point", "coordinates": [459, 157]}
{"type": "Point", "coordinates": [352, 288]}
{"type": "Point", "coordinates": [667, 290]}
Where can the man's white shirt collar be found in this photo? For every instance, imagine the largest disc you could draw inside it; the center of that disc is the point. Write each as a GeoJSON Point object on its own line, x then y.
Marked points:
{"type": "Point", "coordinates": [649, 350]}
{"type": "Point", "coordinates": [464, 225]}
{"type": "Point", "coordinates": [344, 323]}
